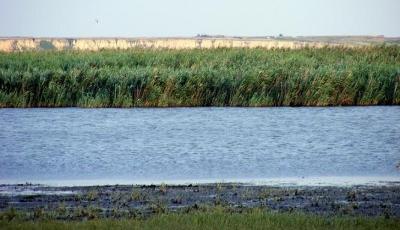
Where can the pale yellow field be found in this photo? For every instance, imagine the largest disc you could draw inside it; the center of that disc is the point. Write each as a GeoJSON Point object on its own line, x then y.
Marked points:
{"type": "Point", "coordinates": [94, 44]}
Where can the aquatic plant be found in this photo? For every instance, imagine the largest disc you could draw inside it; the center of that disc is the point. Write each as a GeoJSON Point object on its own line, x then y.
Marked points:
{"type": "Point", "coordinates": [163, 188]}
{"type": "Point", "coordinates": [219, 187]}
{"type": "Point", "coordinates": [264, 194]}
{"type": "Point", "coordinates": [92, 195]}
{"type": "Point", "coordinates": [158, 206]}
{"type": "Point", "coordinates": [216, 77]}
{"type": "Point", "coordinates": [177, 200]}
{"type": "Point", "coordinates": [136, 195]}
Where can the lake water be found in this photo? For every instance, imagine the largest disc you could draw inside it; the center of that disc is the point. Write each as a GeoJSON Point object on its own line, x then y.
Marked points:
{"type": "Point", "coordinates": [97, 146]}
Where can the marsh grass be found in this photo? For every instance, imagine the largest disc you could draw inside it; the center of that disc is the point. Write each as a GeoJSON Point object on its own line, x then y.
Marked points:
{"type": "Point", "coordinates": [163, 188]}
{"type": "Point", "coordinates": [92, 195]}
{"type": "Point", "coordinates": [216, 219]}
{"type": "Point", "coordinates": [217, 77]}
{"type": "Point", "coordinates": [137, 195]}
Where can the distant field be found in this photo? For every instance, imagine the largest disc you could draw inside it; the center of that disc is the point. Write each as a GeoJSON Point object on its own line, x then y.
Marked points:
{"type": "Point", "coordinates": [17, 44]}
{"type": "Point", "coordinates": [333, 76]}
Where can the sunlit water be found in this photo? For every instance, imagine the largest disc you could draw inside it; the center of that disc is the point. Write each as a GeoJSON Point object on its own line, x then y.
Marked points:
{"type": "Point", "coordinates": [71, 145]}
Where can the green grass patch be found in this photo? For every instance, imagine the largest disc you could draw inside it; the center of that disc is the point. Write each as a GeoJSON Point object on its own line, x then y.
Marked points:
{"type": "Point", "coordinates": [255, 219]}
{"type": "Point", "coordinates": [216, 77]}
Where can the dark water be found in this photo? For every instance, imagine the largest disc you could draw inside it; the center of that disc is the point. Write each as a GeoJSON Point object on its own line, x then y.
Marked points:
{"type": "Point", "coordinates": [194, 144]}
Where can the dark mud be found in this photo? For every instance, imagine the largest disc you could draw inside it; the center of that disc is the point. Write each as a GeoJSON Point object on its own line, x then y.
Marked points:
{"type": "Point", "coordinates": [118, 201]}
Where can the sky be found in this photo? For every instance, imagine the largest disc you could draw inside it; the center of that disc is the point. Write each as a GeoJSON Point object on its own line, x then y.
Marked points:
{"type": "Point", "coordinates": [168, 18]}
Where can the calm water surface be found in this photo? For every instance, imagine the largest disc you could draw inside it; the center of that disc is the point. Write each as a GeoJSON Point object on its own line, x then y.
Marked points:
{"type": "Point", "coordinates": [195, 144]}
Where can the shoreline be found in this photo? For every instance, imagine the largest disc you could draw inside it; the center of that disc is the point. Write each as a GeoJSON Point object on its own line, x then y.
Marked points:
{"type": "Point", "coordinates": [119, 201]}
{"type": "Point", "coordinates": [208, 107]}
{"type": "Point", "coordinates": [318, 181]}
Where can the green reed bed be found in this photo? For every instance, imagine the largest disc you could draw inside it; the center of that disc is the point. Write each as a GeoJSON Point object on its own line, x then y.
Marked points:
{"type": "Point", "coordinates": [217, 77]}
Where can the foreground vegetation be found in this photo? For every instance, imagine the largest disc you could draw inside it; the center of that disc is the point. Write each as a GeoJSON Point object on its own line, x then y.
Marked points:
{"type": "Point", "coordinates": [217, 77]}
{"type": "Point", "coordinates": [217, 219]}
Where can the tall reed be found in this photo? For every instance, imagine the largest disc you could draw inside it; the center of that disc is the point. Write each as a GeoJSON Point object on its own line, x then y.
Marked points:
{"type": "Point", "coordinates": [216, 77]}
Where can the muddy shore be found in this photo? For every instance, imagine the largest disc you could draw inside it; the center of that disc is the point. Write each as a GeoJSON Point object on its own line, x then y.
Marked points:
{"type": "Point", "coordinates": [86, 202]}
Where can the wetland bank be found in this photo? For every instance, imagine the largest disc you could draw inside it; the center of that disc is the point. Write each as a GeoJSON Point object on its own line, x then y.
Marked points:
{"type": "Point", "coordinates": [200, 206]}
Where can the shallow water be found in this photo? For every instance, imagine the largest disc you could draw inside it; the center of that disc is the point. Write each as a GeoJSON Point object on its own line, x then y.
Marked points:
{"type": "Point", "coordinates": [198, 144]}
